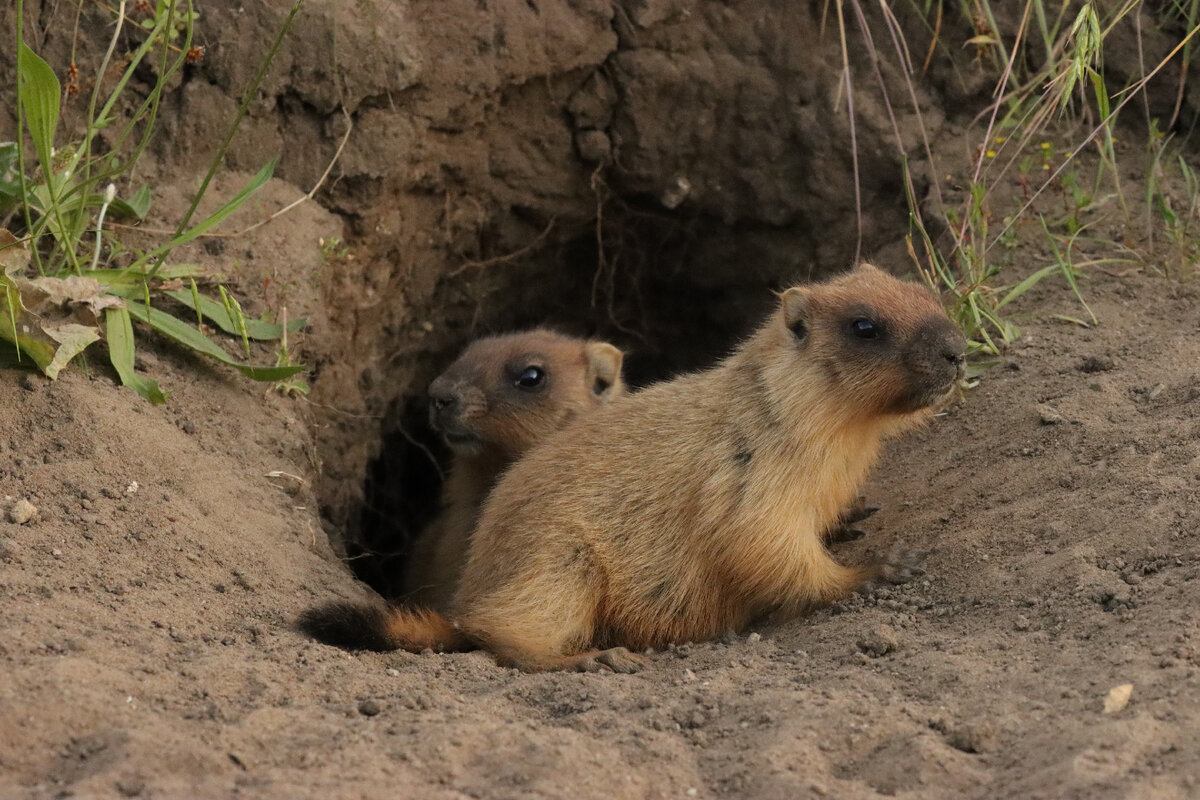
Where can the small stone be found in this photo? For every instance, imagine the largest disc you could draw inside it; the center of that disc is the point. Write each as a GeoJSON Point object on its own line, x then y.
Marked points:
{"type": "Point", "coordinates": [8, 550]}
{"type": "Point", "coordinates": [971, 738]}
{"type": "Point", "coordinates": [676, 192]}
{"type": "Point", "coordinates": [131, 787]}
{"type": "Point", "coordinates": [1022, 623]}
{"type": "Point", "coordinates": [879, 642]}
{"type": "Point", "coordinates": [393, 673]}
{"type": "Point", "coordinates": [594, 146]}
{"type": "Point", "coordinates": [688, 676]}
{"type": "Point", "coordinates": [369, 708]}
{"type": "Point", "coordinates": [27, 382]}
{"type": "Point", "coordinates": [21, 512]}
{"type": "Point", "coordinates": [1155, 391]}
{"type": "Point", "coordinates": [754, 637]}
{"type": "Point", "coordinates": [728, 637]}
{"type": "Point", "coordinates": [1048, 416]}
{"type": "Point", "coordinates": [56, 553]}
{"type": "Point", "coordinates": [1118, 698]}
{"type": "Point", "coordinates": [1094, 364]}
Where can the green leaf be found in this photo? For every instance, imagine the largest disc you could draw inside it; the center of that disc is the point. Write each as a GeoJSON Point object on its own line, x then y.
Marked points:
{"type": "Point", "coordinates": [38, 91]}
{"type": "Point", "coordinates": [136, 206]}
{"type": "Point", "coordinates": [119, 331]}
{"type": "Point", "coordinates": [258, 329]}
{"type": "Point", "coordinates": [10, 176]}
{"type": "Point", "coordinates": [122, 281]}
{"type": "Point", "coordinates": [190, 337]}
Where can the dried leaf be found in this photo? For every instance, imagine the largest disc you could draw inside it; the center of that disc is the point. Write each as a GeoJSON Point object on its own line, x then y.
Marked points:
{"type": "Point", "coordinates": [73, 339]}
{"type": "Point", "coordinates": [48, 341]}
{"type": "Point", "coordinates": [75, 290]}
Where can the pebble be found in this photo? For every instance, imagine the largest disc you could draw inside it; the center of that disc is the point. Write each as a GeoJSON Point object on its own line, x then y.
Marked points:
{"type": "Point", "coordinates": [395, 673]}
{"type": "Point", "coordinates": [1048, 416]}
{"type": "Point", "coordinates": [369, 708]}
{"type": "Point", "coordinates": [879, 642]}
{"type": "Point", "coordinates": [1094, 364]}
{"type": "Point", "coordinates": [971, 737]}
{"type": "Point", "coordinates": [21, 512]}
{"type": "Point", "coordinates": [754, 637]}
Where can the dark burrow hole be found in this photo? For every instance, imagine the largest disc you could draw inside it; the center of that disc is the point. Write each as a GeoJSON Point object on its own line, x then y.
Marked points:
{"type": "Point", "coordinates": [671, 308]}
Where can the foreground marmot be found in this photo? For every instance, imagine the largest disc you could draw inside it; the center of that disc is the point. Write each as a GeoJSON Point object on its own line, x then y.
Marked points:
{"type": "Point", "coordinates": [696, 505]}
{"type": "Point", "coordinates": [503, 395]}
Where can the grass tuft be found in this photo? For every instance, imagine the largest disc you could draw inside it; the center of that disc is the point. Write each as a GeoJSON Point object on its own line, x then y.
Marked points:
{"type": "Point", "coordinates": [74, 186]}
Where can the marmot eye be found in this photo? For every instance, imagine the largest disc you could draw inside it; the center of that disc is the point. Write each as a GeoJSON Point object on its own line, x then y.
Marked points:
{"type": "Point", "coordinates": [531, 378]}
{"type": "Point", "coordinates": [864, 329]}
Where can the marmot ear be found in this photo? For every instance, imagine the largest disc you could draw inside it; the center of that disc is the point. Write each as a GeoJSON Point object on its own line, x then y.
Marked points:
{"type": "Point", "coordinates": [604, 369]}
{"type": "Point", "coordinates": [866, 267]}
{"type": "Point", "coordinates": [796, 307]}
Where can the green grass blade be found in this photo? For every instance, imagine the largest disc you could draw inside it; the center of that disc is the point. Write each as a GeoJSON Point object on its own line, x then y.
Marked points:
{"type": "Point", "coordinates": [119, 331]}
{"type": "Point", "coordinates": [188, 336]}
{"type": "Point", "coordinates": [258, 329]}
{"type": "Point", "coordinates": [122, 281]}
{"type": "Point", "coordinates": [202, 227]}
{"type": "Point", "coordinates": [1025, 285]}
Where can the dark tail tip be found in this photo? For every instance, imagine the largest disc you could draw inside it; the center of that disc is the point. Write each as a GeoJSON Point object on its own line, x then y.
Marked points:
{"type": "Point", "coordinates": [351, 626]}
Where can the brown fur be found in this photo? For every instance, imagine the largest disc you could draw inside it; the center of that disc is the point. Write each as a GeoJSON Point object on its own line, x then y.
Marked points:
{"type": "Point", "coordinates": [699, 504]}
{"type": "Point", "coordinates": [489, 421]}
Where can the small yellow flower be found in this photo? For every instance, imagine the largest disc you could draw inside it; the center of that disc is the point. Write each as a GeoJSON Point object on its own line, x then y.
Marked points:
{"type": "Point", "coordinates": [990, 154]}
{"type": "Point", "coordinates": [1000, 139]}
{"type": "Point", "coordinates": [1045, 145]}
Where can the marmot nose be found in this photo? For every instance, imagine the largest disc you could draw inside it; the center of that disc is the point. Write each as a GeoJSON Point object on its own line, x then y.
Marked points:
{"type": "Point", "coordinates": [442, 397]}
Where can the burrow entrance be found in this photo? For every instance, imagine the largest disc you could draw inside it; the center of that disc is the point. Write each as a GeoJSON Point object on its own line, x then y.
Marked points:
{"type": "Point", "coordinates": [675, 292]}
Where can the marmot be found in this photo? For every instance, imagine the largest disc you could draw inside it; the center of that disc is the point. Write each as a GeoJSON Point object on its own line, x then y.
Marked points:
{"type": "Point", "coordinates": [696, 505]}
{"type": "Point", "coordinates": [500, 397]}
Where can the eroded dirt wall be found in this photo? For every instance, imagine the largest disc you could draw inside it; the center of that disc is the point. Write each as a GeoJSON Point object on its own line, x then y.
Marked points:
{"type": "Point", "coordinates": [644, 171]}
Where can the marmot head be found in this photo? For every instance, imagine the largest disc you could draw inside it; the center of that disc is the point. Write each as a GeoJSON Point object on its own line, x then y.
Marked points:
{"type": "Point", "coordinates": [884, 344]}
{"type": "Point", "coordinates": [510, 392]}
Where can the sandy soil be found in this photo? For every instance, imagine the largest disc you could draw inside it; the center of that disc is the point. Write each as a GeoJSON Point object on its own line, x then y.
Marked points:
{"type": "Point", "coordinates": [145, 638]}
